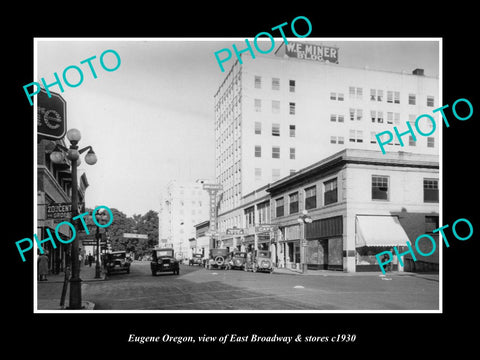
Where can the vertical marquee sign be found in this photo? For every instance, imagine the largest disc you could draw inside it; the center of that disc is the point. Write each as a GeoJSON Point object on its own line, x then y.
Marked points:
{"type": "Point", "coordinates": [213, 189]}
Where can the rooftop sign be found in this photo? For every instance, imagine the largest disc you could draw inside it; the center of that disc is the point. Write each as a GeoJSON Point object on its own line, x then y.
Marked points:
{"type": "Point", "coordinates": [312, 52]}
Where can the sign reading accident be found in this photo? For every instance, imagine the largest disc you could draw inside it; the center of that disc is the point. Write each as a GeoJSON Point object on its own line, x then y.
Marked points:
{"type": "Point", "coordinates": [51, 115]}
{"type": "Point", "coordinates": [312, 52]}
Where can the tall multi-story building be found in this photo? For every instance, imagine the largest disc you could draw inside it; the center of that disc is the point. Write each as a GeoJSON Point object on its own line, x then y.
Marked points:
{"type": "Point", "coordinates": [276, 114]}
{"type": "Point", "coordinates": [183, 204]}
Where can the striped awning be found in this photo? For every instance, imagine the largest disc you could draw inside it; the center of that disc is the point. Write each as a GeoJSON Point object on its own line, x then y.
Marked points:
{"type": "Point", "coordinates": [377, 230]}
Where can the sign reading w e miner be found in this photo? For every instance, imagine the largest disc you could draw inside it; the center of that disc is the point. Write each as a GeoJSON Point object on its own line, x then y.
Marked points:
{"type": "Point", "coordinates": [312, 52]}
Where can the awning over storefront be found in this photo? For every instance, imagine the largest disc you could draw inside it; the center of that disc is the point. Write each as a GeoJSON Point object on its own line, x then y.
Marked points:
{"type": "Point", "coordinates": [379, 231]}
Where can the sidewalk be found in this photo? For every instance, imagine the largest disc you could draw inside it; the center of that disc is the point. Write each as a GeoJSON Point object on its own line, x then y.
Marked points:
{"type": "Point", "coordinates": [288, 271]}
{"type": "Point", "coordinates": [49, 292]}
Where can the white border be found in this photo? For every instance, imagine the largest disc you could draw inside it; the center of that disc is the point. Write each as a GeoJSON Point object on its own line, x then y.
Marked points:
{"type": "Point", "coordinates": [339, 39]}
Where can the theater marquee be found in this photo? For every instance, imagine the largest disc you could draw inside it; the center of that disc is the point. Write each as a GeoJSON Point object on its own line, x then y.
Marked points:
{"type": "Point", "coordinates": [312, 52]}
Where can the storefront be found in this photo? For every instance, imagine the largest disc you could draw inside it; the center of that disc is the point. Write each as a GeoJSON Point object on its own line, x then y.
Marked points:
{"type": "Point", "coordinates": [289, 247]}
{"type": "Point", "coordinates": [325, 244]}
{"type": "Point", "coordinates": [375, 234]}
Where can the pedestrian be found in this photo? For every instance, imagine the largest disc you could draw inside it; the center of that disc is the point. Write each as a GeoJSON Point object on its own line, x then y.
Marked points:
{"type": "Point", "coordinates": [42, 263]}
{"type": "Point", "coordinates": [90, 260]}
{"type": "Point", "coordinates": [80, 257]}
{"type": "Point", "coordinates": [384, 260]}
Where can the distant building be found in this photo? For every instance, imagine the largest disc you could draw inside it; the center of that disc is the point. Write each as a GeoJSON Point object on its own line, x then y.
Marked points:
{"type": "Point", "coordinates": [183, 204]}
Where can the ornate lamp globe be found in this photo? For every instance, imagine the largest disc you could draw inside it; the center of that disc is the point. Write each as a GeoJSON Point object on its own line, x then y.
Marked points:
{"type": "Point", "coordinates": [73, 135]}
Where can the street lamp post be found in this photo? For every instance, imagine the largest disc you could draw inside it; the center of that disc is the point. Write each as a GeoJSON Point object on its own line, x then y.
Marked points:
{"type": "Point", "coordinates": [73, 154]}
{"type": "Point", "coordinates": [304, 219]}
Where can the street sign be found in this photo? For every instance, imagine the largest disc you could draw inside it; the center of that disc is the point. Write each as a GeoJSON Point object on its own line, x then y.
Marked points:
{"type": "Point", "coordinates": [51, 115]}
{"type": "Point", "coordinates": [93, 243]}
{"type": "Point", "coordinates": [218, 187]}
{"type": "Point", "coordinates": [59, 211]}
{"type": "Point", "coordinates": [135, 236]}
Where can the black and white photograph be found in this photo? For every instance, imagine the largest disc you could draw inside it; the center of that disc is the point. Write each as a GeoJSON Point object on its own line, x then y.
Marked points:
{"type": "Point", "coordinates": [221, 180]}
{"type": "Point", "coordinates": [262, 187]}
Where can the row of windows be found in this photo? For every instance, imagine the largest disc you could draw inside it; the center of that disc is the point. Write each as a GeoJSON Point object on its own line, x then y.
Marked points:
{"type": "Point", "coordinates": [275, 152]}
{"type": "Point", "coordinates": [275, 106]}
{"type": "Point", "coordinates": [393, 97]}
{"type": "Point", "coordinates": [375, 116]}
{"type": "Point", "coordinates": [275, 84]}
{"type": "Point", "coordinates": [380, 190]}
{"type": "Point", "coordinates": [330, 196]}
{"type": "Point", "coordinates": [275, 129]}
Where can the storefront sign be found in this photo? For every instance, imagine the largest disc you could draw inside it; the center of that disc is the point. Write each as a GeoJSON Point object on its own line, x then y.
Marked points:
{"type": "Point", "coordinates": [312, 52]}
{"type": "Point", "coordinates": [235, 231]}
{"type": "Point", "coordinates": [59, 211]}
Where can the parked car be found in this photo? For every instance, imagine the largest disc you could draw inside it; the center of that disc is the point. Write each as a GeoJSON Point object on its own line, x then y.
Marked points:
{"type": "Point", "coordinates": [238, 259]}
{"type": "Point", "coordinates": [163, 260]}
{"type": "Point", "coordinates": [259, 261]}
{"type": "Point", "coordinates": [197, 259]}
{"type": "Point", "coordinates": [117, 261]}
{"type": "Point", "coordinates": [218, 259]}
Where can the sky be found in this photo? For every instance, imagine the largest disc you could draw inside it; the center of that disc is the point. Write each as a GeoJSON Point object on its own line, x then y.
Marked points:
{"type": "Point", "coordinates": [152, 120]}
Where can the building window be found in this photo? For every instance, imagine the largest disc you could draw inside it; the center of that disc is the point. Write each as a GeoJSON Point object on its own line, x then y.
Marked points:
{"type": "Point", "coordinates": [293, 203]}
{"type": "Point", "coordinates": [258, 127]}
{"type": "Point", "coordinates": [389, 117]}
{"type": "Point", "coordinates": [292, 108]}
{"type": "Point", "coordinates": [292, 153]}
{"type": "Point", "coordinates": [291, 85]}
{"type": "Point", "coordinates": [292, 171]}
{"type": "Point", "coordinates": [258, 82]}
{"type": "Point", "coordinates": [258, 105]}
{"type": "Point", "coordinates": [292, 130]}
{"type": "Point", "coordinates": [340, 118]}
{"type": "Point", "coordinates": [359, 114]}
{"type": "Point", "coordinates": [250, 216]}
{"type": "Point", "coordinates": [397, 97]}
{"type": "Point", "coordinates": [373, 139]}
{"type": "Point", "coordinates": [275, 174]}
{"type": "Point", "coordinates": [373, 94]}
{"type": "Point", "coordinates": [279, 207]}
{"type": "Point", "coordinates": [258, 151]}
{"type": "Point", "coordinates": [275, 84]}
{"type": "Point", "coordinates": [333, 96]}
{"type": "Point", "coordinates": [430, 142]}
{"type": "Point", "coordinates": [373, 115]}
{"type": "Point", "coordinates": [379, 95]}
{"type": "Point", "coordinates": [430, 101]}
{"type": "Point", "coordinates": [275, 152]}
{"type": "Point", "coordinates": [411, 142]}
{"type": "Point", "coordinates": [330, 195]}
{"type": "Point", "coordinates": [352, 136]}
{"type": "Point", "coordinates": [333, 139]}
{"type": "Point", "coordinates": [411, 99]}
{"type": "Point", "coordinates": [340, 97]}
{"type": "Point", "coordinates": [390, 97]}
{"type": "Point", "coordinates": [396, 118]}
{"type": "Point", "coordinates": [430, 190]}
{"type": "Point", "coordinates": [333, 117]}
{"type": "Point", "coordinates": [379, 187]}
{"type": "Point", "coordinates": [275, 129]}
{"type": "Point", "coordinates": [263, 212]}
{"type": "Point", "coordinates": [275, 107]}
{"type": "Point", "coordinates": [352, 114]}
{"type": "Point", "coordinates": [355, 92]}
{"type": "Point", "coordinates": [380, 117]}
{"type": "Point", "coordinates": [356, 136]}
{"type": "Point", "coordinates": [311, 197]}
{"type": "Point", "coordinates": [341, 140]}
{"type": "Point", "coordinates": [258, 173]}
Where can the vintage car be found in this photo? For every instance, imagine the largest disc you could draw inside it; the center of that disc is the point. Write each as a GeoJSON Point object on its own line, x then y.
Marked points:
{"type": "Point", "coordinates": [218, 259]}
{"type": "Point", "coordinates": [259, 261]}
{"type": "Point", "coordinates": [238, 259]}
{"type": "Point", "coordinates": [197, 259]}
{"type": "Point", "coordinates": [117, 261]}
{"type": "Point", "coordinates": [163, 260]}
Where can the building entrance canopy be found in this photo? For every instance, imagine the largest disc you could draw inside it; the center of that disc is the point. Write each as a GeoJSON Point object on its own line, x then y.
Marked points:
{"type": "Point", "coordinates": [379, 231]}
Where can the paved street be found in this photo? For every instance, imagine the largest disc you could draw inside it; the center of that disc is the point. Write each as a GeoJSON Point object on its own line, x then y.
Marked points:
{"type": "Point", "coordinates": [201, 289]}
